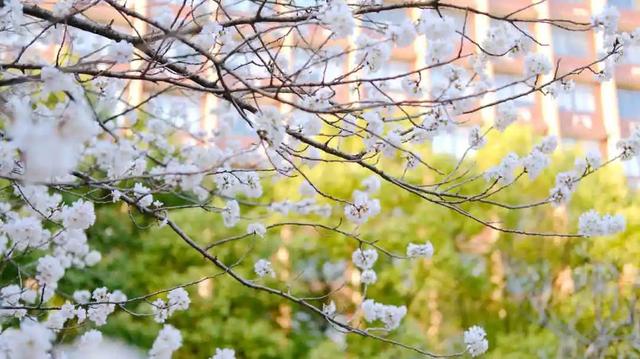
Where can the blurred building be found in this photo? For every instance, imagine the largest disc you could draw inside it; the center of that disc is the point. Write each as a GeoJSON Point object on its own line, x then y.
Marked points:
{"type": "Point", "coordinates": [595, 115]}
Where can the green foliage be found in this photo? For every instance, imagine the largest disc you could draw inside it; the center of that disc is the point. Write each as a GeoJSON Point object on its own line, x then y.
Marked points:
{"type": "Point", "coordinates": [461, 286]}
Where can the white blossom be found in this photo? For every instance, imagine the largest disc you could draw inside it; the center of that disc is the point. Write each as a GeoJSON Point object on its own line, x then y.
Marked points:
{"type": "Point", "coordinates": [80, 215]}
{"type": "Point", "coordinates": [98, 313]}
{"type": "Point", "coordinates": [607, 20]}
{"type": "Point", "coordinates": [402, 34]}
{"type": "Point", "coordinates": [224, 353]}
{"type": "Point", "coordinates": [501, 38]}
{"type": "Point", "coordinates": [373, 52]}
{"type": "Point", "coordinates": [476, 139]}
{"type": "Point", "coordinates": [92, 258]}
{"type": "Point", "coordinates": [364, 259]}
{"type": "Point", "coordinates": [420, 250]}
{"type": "Point", "coordinates": [535, 163]}
{"type": "Point", "coordinates": [178, 300]}
{"type": "Point", "coordinates": [435, 27]}
{"type": "Point", "coordinates": [593, 158]}
{"type": "Point", "coordinates": [90, 339]}
{"type": "Point", "coordinates": [143, 194]}
{"type": "Point", "coordinates": [50, 271]}
{"type": "Point", "coordinates": [270, 126]}
{"type": "Point", "coordinates": [121, 51]}
{"type": "Point", "coordinates": [337, 16]}
{"type": "Point", "coordinates": [362, 208]}
{"type": "Point", "coordinates": [547, 145]}
{"type": "Point", "coordinates": [507, 113]}
{"type": "Point", "coordinates": [257, 229]}
{"type": "Point", "coordinates": [263, 268]}
{"type": "Point", "coordinates": [82, 296]}
{"type": "Point", "coordinates": [26, 233]}
{"type": "Point", "coordinates": [368, 277]}
{"type": "Point", "coordinates": [371, 184]}
{"type": "Point", "coordinates": [536, 64]}
{"type": "Point", "coordinates": [390, 315]}
{"type": "Point", "coordinates": [160, 310]}
{"type": "Point", "coordinates": [10, 296]}
{"type": "Point", "coordinates": [591, 224]}
{"type": "Point", "coordinates": [504, 172]}
{"type": "Point", "coordinates": [475, 338]}
{"type": "Point", "coordinates": [168, 341]}
{"type": "Point", "coordinates": [62, 8]}
{"type": "Point", "coordinates": [566, 183]}
{"type": "Point", "coordinates": [231, 213]}
{"type": "Point", "coordinates": [32, 340]}
{"type": "Point", "coordinates": [329, 309]}
{"type": "Point", "coordinates": [8, 157]}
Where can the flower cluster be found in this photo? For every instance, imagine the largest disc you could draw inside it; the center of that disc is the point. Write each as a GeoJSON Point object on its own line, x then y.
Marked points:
{"type": "Point", "coordinates": [535, 162]}
{"type": "Point", "coordinates": [566, 183]}
{"type": "Point", "coordinates": [270, 126]}
{"type": "Point", "coordinates": [440, 33]}
{"type": "Point", "coordinates": [39, 139]}
{"type": "Point", "coordinates": [224, 353]}
{"type": "Point", "coordinates": [168, 341]}
{"type": "Point", "coordinates": [475, 338]}
{"type": "Point", "coordinates": [362, 208]}
{"type": "Point", "coordinates": [80, 215]}
{"type": "Point", "coordinates": [373, 52]}
{"type": "Point", "coordinates": [536, 64]}
{"type": "Point", "coordinates": [121, 51]}
{"type": "Point", "coordinates": [337, 16]}
{"type": "Point", "coordinates": [476, 139]}
{"type": "Point", "coordinates": [99, 313]}
{"type": "Point", "coordinates": [504, 172]}
{"type": "Point", "coordinates": [591, 224]}
{"type": "Point", "coordinates": [231, 213]}
{"type": "Point", "coordinates": [420, 250]}
{"type": "Point", "coordinates": [31, 340]}
{"type": "Point", "coordinates": [365, 259]}
{"type": "Point", "coordinates": [507, 113]}
{"type": "Point", "coordinates": [389, 315]}
{"type": "Point", "coordinates": [630, 147]}
{"type": "Point", "coordinates": [502, 38]}
{"type": "Point", "coordinates": [177, 299]}
{"type": "Point", "coordinates": [263, 268]}
{"type": "Point", "coordinates": [256, 228]}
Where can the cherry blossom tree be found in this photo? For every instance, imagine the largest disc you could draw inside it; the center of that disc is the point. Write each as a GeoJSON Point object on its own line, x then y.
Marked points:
{"type": "Point", "coordinates": [87, 119]}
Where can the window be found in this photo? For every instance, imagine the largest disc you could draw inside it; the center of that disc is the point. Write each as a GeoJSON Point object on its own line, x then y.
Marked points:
{"type": "Point", "coordinates": [85, 43]}
{"type": "Point", "coordinates": [582, 145]}
{"type": "Point", "coordinates": [395, 16]}
{"type": "Point", "coordinates": [513, 90]}
{"type": "Point", "coordinates": [452, 143]}
{"type": "Point", "coordinates": [629, 104]}
{"type": "Point", "coordinates": [182, 110]}
{"type": "Point", "coordinates": [570, 43]}
{"type": "Point", "coordinates": [180, 52]}
{"type": "Point", "coordinates": [622, 4]}
{"type": "Point", "coordinates": [631, 55]}
{"type": "Point", "coordinates": [238, 6]}
{"type": "Point", "coordinates": [458, 20]}
{"type": "Point", "coordinates": [333, 68]}
{"type": "Point", "coordinates": [440, 81]}
{"type": "Point", "coordinates": [581, 100]}
{"type": "Point", "coordinates": [307, 3]}
{"type": "Point", "coordinates": [394, 68]}
{"type": "Point", "coordinates": [632, 167]}
{"type": "Point", "coordinates": [230, 121]}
